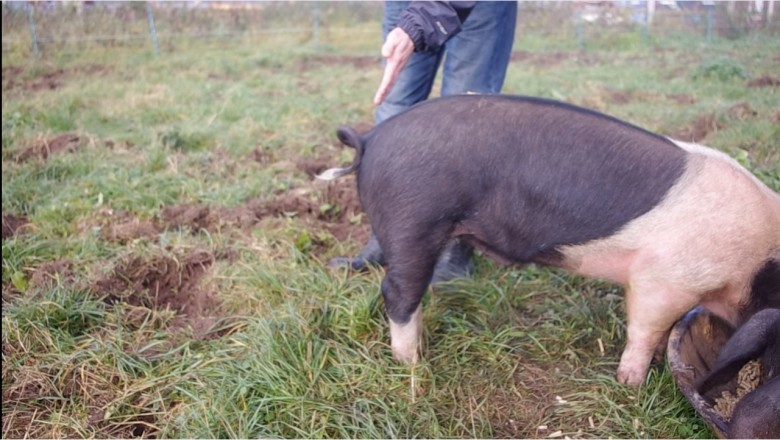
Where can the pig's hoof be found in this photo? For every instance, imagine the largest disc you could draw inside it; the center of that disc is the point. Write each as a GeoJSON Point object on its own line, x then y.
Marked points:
{"type": "Point", "coordinates": [405, 356]}
{"type": "Point", "coordinates": [356, 264]}
{"type": "Point", "coordinates": [630, 376]}
{"type": "Point", "coordinates": [455, 262]}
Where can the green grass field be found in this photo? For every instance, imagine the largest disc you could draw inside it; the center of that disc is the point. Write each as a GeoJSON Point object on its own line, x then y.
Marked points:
{"type": "Point", "coordinates": [164, 246]}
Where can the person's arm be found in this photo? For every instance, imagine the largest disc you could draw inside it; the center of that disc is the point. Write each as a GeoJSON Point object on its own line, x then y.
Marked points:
{"type": "Point", "coordinates": [422, 26]}
{"type": "Point", "coordinates": [431, 24]}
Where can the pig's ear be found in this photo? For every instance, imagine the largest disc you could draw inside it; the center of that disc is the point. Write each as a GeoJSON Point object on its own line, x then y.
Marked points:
{"type": "Point", "coordinates": [749, 342]}
{"type": "Point", "coordinates": [755, 415]}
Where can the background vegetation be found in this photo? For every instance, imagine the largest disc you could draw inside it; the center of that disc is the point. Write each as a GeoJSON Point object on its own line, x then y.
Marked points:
{"type": "Point", "coordinates": [164, 241]}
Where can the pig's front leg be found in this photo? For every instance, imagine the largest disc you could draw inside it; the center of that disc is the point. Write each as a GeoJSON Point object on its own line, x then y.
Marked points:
{"type": "Point", "coordinates": [651, 309]}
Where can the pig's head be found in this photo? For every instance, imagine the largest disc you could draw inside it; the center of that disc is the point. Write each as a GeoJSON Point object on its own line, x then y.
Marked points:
{"type": "Point", "coordinates": [757, 414]}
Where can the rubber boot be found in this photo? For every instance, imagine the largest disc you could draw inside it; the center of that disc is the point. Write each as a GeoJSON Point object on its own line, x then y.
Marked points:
{"type": "Point", "coordinates": [370, 255]}
{"type": "Point", "coordinates": [454, 262]}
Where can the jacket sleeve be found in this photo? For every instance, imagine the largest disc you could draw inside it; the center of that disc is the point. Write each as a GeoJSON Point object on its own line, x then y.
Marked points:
{"type": "Point", "coordinates": [431, 24]}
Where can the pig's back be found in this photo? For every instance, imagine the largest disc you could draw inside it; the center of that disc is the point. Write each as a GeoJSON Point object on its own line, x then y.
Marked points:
{"type": "Point", "coordinates": [580, 174]}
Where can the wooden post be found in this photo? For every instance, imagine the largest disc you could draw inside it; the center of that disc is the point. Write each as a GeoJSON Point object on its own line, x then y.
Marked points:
{"type": "Point", "coordinates": [36, 51]}
{"type": "Point", "coordinates": [650, 12]}
{"type": "Point", "coordinates": [152, 28]}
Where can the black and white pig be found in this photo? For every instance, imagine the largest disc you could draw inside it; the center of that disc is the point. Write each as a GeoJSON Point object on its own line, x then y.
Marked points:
{"type": "Point", "coordinates": [530, 180]}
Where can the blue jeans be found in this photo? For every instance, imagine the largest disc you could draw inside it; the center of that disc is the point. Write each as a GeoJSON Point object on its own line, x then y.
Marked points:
{"type": "Point", "coordinates": [475, 59]}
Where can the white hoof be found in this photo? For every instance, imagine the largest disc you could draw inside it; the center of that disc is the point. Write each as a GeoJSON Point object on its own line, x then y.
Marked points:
{"type": "Point", "coordinates": [405, 338]}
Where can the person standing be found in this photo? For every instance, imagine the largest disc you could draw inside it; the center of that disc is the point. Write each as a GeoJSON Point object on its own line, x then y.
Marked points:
{"type": "Point", "coordinates": [473, 41]}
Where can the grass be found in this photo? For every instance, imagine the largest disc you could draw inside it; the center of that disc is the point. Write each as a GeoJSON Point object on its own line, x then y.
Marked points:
{"type": "Point", "coordinates": [219, 326]}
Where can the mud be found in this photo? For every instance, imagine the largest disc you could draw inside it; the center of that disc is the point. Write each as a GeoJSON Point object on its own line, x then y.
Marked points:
{"type": "Point", "coordinates": [764, 81]}
{"type": "Point", "coordinates": [709, 123]}
{"type": "Point", "coordinates": [45, 148]}
{"type": "Point", "coordinates": [13, 225]}
{"type": "Point", "coordinates": [53, 273]}
{"type": "Point", "coordinates": [16, 78]}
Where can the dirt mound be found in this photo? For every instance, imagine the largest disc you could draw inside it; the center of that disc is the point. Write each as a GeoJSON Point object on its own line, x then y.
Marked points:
{"type": "Point", "coordinates": [741, 111]}
{"type": "Point", "coordinates": [335, 201]}
{"type": "Point", "coordinates": [13, 224]}
{"type": "Point", "coordinates": [120, 226]}
{"type": "Point", "coordinates": [764, 81]}
{"type": "Point", "coordinates": [682, 98]}
{"type": "Point", "coordinates": [53, 272]}
{"type": "Point", "coordinates": [130, 229]}
{"type": "Point", "coordinates": [165, 282]}
{"type": "Point", "coordinates": [63, 143]}
{"type": "Point", "coordinates": [14, 77]}
{"type": "Point", "coordinates": [708, 123]}
{"type": "Point", "coordinates": [201, 217]}
{"type": "Point", "coordinates": [336, 204]}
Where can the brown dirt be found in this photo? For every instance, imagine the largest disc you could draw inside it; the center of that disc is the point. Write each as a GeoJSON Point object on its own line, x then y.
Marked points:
{"type": "Point", "coordinates": [130, 229]}
{"type": "Point", "coordinates": [330, 206]}
{"type": "Point", "coordinates": [158, 282]}
{"type": "Point", "coordinates": [764, 81]}
{"type": "Point", "coordinates": [43, 149]}
{"type": "Point", "coordinates": [708, 123]}
{"type": "Point", "coordinates": [741, 111]}
{"type": "Point", "coordinates": [518, 414]}
{"type": "Point", "coordinates": [13, 77]}
{"type": "Point", "coordinates": [163, 282]}
{"type": "Point", "coordinates": [699, 128]}
{"type": "Point", "coordinates": [682, 99]}
{"type": "Point", "coordinates": [13, 224]}
{"type": "Point", "coordinates": [50, 273]}
{"type": "Point", "coordinates": [120, 226]}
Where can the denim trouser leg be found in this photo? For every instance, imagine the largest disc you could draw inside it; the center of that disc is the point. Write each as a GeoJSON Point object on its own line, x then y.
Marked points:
{"type": "Point", "coordinates": [416, 80]}
{"type": "Point", "coordinates": [477, 57]}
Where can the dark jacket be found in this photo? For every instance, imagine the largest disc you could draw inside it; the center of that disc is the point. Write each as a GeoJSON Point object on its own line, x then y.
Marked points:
{"type": "Point", "coordinates": [431, 24]}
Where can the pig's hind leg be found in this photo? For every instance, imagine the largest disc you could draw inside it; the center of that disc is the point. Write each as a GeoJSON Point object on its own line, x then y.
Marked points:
{"type": "Point", "coordinates": [410, 265]}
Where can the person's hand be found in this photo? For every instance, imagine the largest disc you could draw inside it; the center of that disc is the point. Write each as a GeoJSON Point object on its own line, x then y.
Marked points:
{"type": "Point", "coordinates": [398, 48]}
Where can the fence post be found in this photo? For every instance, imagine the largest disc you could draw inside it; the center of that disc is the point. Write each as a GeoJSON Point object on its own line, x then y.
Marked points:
{"type": "Point", "coordinates": [34, 34]}
{"type": "Point", "coordinates": [315, 23]}
{"type": "Point", "coordinates": [580, 31]}
{"type": "Point", "coordinates": [152, 28]}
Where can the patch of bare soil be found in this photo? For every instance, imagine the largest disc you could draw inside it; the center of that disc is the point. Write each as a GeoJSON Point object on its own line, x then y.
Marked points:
{"type": "Point", "coordinates": [13, 224]}
{"type": "Point", "coordinates": [708, 123]}
{"type": "Point", "coordinates": [120, 226]}
{"type": "Point", "coordinates": [699, 129]}
{"type": "Point", "coordinates": [682, 98]}
{"type": "Point", "coordinates": [13, 77]}
{"type": "Point", "coordinates": [53, 272]}
{"type": "Point", "coordinates": [330, 206]}
{"type": "Point", "coordinates": [764, 81]}
{"type": "Point", "coordinates": [93, 386]}
{"type": "Point", "coordinates": [519, 413]}
{"type": "Point", "coordinates": [741, 111]}
{"type": "Point", "coordinates": [130, 229]}
{"type": "Point", "coordinates": [163, 282]}
{"type": "Point", "coordinates": [43, 149]}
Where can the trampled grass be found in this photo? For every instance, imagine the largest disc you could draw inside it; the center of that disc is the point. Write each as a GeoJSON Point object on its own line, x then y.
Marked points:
{"type": "Point", "coordinates": [165, 273]}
